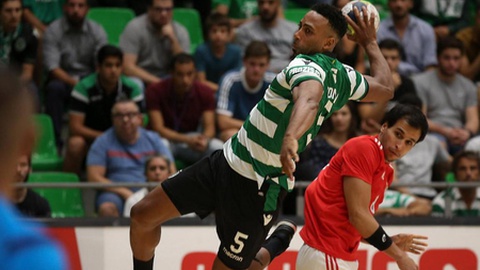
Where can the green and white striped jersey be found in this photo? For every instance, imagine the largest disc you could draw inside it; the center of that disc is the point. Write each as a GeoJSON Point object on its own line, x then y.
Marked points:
{"type": "Point", "coordinates": [254, 152]}
{"type": "Point", "coordinates": [458, 206]}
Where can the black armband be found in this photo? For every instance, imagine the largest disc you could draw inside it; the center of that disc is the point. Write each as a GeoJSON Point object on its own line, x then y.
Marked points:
{"type": "Point", "coordinates": [380, 239]}
{"type": "Point", "coordinates": [142, 265]}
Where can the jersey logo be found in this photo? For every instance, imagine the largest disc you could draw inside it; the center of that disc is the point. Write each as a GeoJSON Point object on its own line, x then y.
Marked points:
{"type": "Point", "coordinates": [383, 176]}
{"type": "Point", "coordinates": [267, 219]}
{"type": "Point", "coordinates": [306, 61]}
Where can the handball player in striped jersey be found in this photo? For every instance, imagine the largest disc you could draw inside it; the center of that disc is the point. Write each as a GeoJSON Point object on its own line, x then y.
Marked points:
{"type": "Point", "coordinates": [245, 183]}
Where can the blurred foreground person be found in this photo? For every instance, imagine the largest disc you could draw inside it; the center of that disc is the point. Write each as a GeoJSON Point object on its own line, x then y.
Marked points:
{"type": "Point", "coordinates": [22, 245]}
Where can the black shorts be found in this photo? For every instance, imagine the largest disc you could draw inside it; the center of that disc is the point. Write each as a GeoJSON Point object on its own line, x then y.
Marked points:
{"type": "Point", "coordinates": [210, 185]}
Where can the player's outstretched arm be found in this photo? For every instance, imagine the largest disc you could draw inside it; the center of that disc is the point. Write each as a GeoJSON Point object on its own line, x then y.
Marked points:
{"type": "Point", "coordinates": [357, 197]}
{"type": "Point", "coordinates": [380, 82]}
{"type": "Point", "coordinates": [306, 98]}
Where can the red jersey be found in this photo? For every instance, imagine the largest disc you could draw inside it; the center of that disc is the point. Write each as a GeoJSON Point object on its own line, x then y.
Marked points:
{"type": "Point", "coordinates": [327, 227]}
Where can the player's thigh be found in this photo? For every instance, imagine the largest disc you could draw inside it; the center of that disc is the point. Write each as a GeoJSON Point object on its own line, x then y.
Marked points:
{"type": "Point", "coordinates": [192, 190]}
{"type": "Point", "coordinates": [240, 221]}
{"type": "Point", "coordinates": [309, 258]}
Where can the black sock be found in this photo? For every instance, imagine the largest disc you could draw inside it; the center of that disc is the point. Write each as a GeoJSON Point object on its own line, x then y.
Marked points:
{"type": "Point", "coordinates": [142, 265]}
{"type": "Point", "coordinates": [277, 243]}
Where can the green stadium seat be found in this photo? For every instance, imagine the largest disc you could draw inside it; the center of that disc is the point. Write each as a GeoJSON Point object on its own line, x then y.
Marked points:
{"type": "Point", "coordinates": [295, 14]}
{"type": "Point", "coordinates": [64, 202]}
{"type": "Point", "coordinates": [45, 156]}
{"type": "Point", "coordinates": [190, 19]}
{"type": "Point", "coordinates": [113, 21]}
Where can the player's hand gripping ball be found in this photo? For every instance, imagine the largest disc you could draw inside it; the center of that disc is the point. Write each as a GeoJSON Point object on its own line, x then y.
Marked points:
{"type": "Point", "coordinates": [348, 10]}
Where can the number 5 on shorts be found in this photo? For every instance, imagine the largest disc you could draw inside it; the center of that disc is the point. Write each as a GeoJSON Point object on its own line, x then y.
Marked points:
{"type": "Point", "coordinates": [239, 238]}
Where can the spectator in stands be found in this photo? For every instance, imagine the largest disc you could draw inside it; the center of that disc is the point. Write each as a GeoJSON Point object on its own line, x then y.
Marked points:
{"type": "Point", "coordinates": [372, 113]}
{"type": "Point", "coordinates": [348, 51]}
{"type": "Point", "coordinates": [239, 11]}
{"type": "Point", "coordinates": [241, 90]}
{"type": "Point", "coordinates": [470, 38]}
{"type": "Point", "coordinates": [428, 159]}
{"type": "Point", "coordinates": [271, 28]}
{"type": "Point", "coordinates": [449, 99]}
{"type": "Point", "coordinates": [91, 104]}
{"type": "Point", "coordinates": [157, 170]}
{"type": "Point", "coordinates": [461, 201]}
{"type": "Point", "coordinates": [447, 17]}
{"type": "Point", "coordinates": [217, 56]}
{"type": "Point", "coordinates": [415, 35]}
{"type": "Point", "coordinates": [151, 40]}
{"type": "Point", "coordinates": [41, 13]}
{"type": "Point", "coordinates": [18, 44]}
{"type": "Point", "coordinates": [26, 200]}
{"type": "Point", "coordinates": [119, 154]}
{"type": "Point", "coordinates": [182, 110]}
{"type": "Point", "coordinates": [69, 49]}
{"type": "Point", "coordinates": [400, 204]}
{"type": "Point", "coordinates": [336, 130]}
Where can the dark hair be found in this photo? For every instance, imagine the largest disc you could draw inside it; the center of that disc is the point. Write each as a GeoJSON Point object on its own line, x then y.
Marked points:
{"type": "Point", "coordinates": [334, 16]}
{"type": "Point", "coordinates": [257, 49]}
{"type": "Point", "coordinates": [217, 19]}
{"type": "Point", "coordinates": [152, 157]}
{"type": "Point", "coordinates": [124, 99]}
{"type": "Point", "coordinates": [109, 51]}
{"type": "Point", "coordinates": [471, 155]}
{"type": "Point", "coordinates": [449, 43]}
{"type": "Point", "coordinates": [411, 99]}
{"type": "Point", "coordinates": [413, 115]}
{"type": "Point", "coordinates": [327, 126]}
{"type": "Point", "coordinates": [391, 44]}
{"type": "Point", "coordinates": [181, 58]}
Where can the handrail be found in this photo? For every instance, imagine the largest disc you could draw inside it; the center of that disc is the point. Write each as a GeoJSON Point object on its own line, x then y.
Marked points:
{"type": "Point", "coordinates": [300, 185]}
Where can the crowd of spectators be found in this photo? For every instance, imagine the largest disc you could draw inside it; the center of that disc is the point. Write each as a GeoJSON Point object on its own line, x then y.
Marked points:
{"type": "Point", "coordinates": [116, 107]}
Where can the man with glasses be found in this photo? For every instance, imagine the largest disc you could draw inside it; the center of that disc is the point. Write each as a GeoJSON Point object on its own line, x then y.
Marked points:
{"type": "Point", "coordinates": [118, 156]}
{"type": "Point", "coordinates": [91, 104]}
{"type": "Point", "coordinates": [151, 40]}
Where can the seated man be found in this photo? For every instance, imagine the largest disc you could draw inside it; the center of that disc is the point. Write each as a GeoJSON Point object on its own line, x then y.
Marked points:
{"type": "Point", "coordinates": [271, 28]}
{"type": "Point", "coordinates": [400, 204]}
{"type": "Point", "coordinates": [181, 110]}
{"type": "Point", "coordinates": [119, 156]}
{"type": "Point", "coordinates": [449, 99]}
{"type": "Point", "coordinates": [19, 44]}
{"type": "Point", "coordinates": [217, 55]}
{"type": "Point", "coordinates": [69, 48]}
{"type": "Point", "coordinates": [241, 90]}
{"type": "Point", "coordinates": [91, 104]}
{"type": "Point", "coordinates": [26, 200]}
{"type": "Point", "coordinates": [150, 40]}
{"type": "Point", "coordinates": [462, 201]}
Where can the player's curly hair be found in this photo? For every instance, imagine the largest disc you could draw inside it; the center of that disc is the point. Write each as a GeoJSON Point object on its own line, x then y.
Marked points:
{"type": "Point", "coordinates": [412, 114]}
{"type": "Point", "coordinates": [334, 16]}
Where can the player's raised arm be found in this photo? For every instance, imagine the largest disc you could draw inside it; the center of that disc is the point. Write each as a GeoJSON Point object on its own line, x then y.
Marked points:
{"type": "Point", "coordinates": [306, 98]}
{"type": "Point", "coordinates": [380, 82]}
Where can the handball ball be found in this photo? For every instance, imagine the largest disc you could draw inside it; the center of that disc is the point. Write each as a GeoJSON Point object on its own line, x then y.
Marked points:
{"type": "Point", "coordinates": [348, 10]}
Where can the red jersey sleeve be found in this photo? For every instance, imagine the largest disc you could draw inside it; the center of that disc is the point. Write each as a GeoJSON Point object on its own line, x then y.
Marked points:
{"type": "Point", "coordinates": [208, 98]}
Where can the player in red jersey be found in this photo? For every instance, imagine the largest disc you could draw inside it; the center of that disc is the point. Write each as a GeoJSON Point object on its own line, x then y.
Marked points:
{"type": "Point", "coordinates": [340, 203]}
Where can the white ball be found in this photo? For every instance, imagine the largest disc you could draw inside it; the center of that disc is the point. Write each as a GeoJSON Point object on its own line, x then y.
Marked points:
{"type": "Point", "coordinates": [348, 10]}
